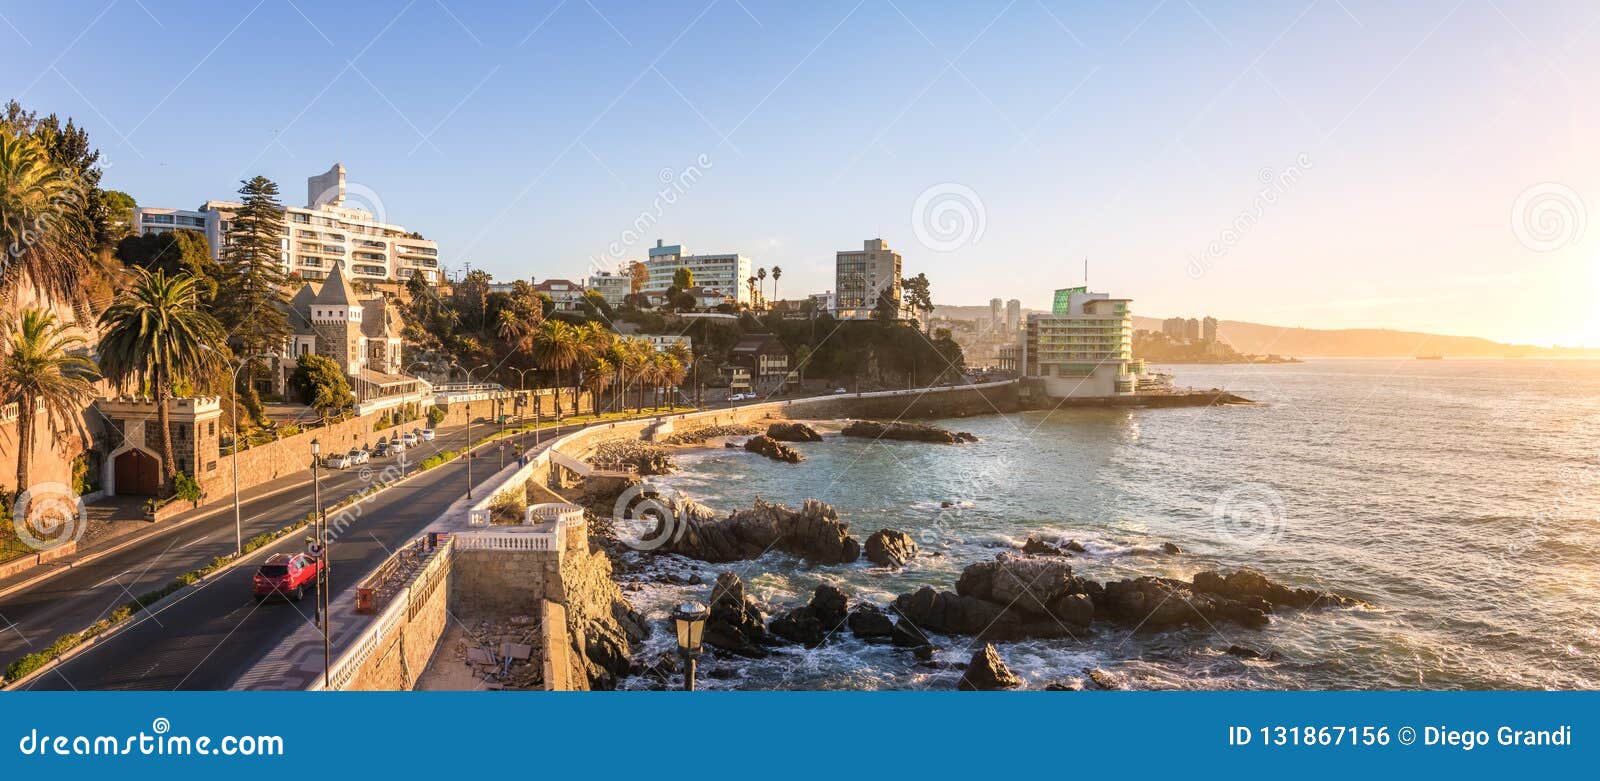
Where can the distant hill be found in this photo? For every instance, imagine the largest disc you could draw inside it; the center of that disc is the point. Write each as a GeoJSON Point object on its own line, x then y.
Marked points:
{"type": "Point", "coordinates": [1259, 339]}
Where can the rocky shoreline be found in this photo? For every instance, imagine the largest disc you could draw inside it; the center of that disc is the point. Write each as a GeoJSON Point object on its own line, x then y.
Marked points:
{"type": "Point", "coordinates": [1027, 594]}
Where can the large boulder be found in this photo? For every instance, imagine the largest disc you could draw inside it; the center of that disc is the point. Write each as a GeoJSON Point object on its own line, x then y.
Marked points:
{"type": "Point", "coordinates": [912, 432]}
{"type": "Point", "coordinates": [736, 623]}
{"type": "Point", "coordinates": [869, 622]}
{"type": "Point", "coordinates": [987, 672]}
{"type": "Point", "coordinates": [773, 449]}
{"type": "Point", "coordinates": [1037, 589]}
{"type": "Point", "coordinates": [1163, 603]}
{"type": "Point", "coordinates": [890, 548]}
{"type": "Point", "coordinates": [812, 623]}
{"type": "Point", "coordinates": [813, 532]}
{"type": "Point", "coordinates": [1246, 583]}
{"type": "Point", "coordinates": [793, 432]}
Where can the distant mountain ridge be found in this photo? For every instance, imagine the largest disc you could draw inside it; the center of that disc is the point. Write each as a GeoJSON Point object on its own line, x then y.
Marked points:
{"type": "Point", "coordinates": [1260, 339]}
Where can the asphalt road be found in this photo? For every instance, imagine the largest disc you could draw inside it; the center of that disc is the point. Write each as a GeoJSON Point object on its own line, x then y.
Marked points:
{"type": "Point", "coordinates": [213, 634]}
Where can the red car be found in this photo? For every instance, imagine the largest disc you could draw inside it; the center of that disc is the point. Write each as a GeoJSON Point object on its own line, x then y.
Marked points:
{"type": "Point", "coordinates": [286, 574]}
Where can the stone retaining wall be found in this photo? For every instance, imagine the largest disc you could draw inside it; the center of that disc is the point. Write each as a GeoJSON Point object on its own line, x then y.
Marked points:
{"type": "Point", "coordinates": [418, 618]}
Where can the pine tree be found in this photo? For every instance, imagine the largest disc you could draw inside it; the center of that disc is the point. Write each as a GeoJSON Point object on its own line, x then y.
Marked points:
{"type": "Point", "coordinates": [252, 291]}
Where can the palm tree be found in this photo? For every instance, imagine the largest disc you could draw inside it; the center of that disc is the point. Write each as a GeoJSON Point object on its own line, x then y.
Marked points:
{"type": "Point", "coordinates": [672, 373]}
{"type": "Point", "coordinates": [596, 376]}
{"type": "Point", "coordinates": [777, 273]}
{"type": "Point", "coordinates": [40, 371]}
{"type": "Point", "coordinates": [761, 274]}
{"type": "Point", "coordinates": [556, 347]}
{"type": "Point", "coordinates": [635, 360]}
{"type": "Point", "coordinates": [156, 334]}
{"type": "Point", "coordinates": [40, 202]}
{"type": "Point", "coordinates": [751, 282]}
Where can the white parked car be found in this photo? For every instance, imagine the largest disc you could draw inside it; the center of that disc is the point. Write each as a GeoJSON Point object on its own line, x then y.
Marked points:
{"type": "Point", "coordinates": [338, 461]}
{"type": "Point", "coordinates": [396, 445]}
{"type": "Point", "coordinates": [410, 440]}
{"type": "Point", "coordinates": [359, 456]}
{"type": "Point", "coordinates": [837, 391]}
{"type": "Point", "coordinates": [427, 435]}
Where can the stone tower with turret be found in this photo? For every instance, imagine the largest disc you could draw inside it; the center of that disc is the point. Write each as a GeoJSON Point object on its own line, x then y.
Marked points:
{"type": "Point", "coordinates": [336, 319]}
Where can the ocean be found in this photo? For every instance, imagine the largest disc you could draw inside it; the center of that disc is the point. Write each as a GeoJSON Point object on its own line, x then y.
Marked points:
{"type": "Point", "coordinates": [1457, 498]}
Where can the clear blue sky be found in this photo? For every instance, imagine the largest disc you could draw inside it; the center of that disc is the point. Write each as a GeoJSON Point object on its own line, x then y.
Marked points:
{"type": "Point", "coordinates": [527, 139]}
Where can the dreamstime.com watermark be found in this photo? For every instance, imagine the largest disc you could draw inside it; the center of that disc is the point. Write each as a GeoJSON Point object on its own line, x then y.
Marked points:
{"type": "Point", "coordinates": [948, 216]}
{"type": "Point", "coordinates": [674, 184]}
{"type": "Point", "coordinates": [48, 515]}
{"type": "Point", "coordinates": [1549, 216]}
{"type": "Point", "coordinates": [1249, 515]}
{"type": "Point", "coordinates": [1274, 185]}
{"type": "Point", "coordinates": [158, 742]}
{"type": "Point", "coordinates": [648, 516]}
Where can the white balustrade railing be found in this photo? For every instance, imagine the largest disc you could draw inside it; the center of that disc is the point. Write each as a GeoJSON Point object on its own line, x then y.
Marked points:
{"type": "Point", "coordinates": [554, 512]}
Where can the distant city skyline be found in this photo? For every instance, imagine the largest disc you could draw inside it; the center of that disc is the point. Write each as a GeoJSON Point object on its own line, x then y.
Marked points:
{"type": "Point", "coordinates": [1327, 165]}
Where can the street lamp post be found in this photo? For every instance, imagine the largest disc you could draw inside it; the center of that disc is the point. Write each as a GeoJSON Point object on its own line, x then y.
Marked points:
{"type": "Point", "coordinates": [324, 563]}
{"type": "Point", "coordinates": [468, 454]}
{"type": "Point", "coordinates": [238, 525]}
{"type": "Point", "coordinates": [690, 618]}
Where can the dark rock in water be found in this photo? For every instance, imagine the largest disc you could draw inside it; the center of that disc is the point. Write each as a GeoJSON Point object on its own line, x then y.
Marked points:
{"type": "Point", "coordinates": [793, 432]}
{"type": "Point", "coordinates": [1038, 547]}
{"type": "Point", "coordinates": [1247, 583]}
{"type": "Point", "coordinates": [1064, 686]}
{"type": "Point", "coordinates": [1170, 549]}
{"type": "Point", "coordinates": [696, 580]}
{"type": "Point", "coordinates": [1103, 679]}
{"type": "Point", "coordinates": [869, 622]}
{"type": "Point", "coordinates": [813, 623]}
{"type": "Point", "coordinates": [1163, 603]}
{"type": "Point", "coordinates": [732, 445]}
{"type": "Point", "coordinates": [890, 548]}
{"type": "Point", "coordinates": [924, 653]}
{"type": "Point", "coordinates": [1036, 589]}
{"type": "Point", "coordinates": [988, 672]}
{"type": "Point", "coordinates": [913, 432]}
{"type": "Point", "coordinates": [1074, 546]}
{"type": "Point", "coordinates": [1251, 653]}
{"type": "Point", "coordinates": [773, 449]}
{"type": "Point", "coordinates": [963, 436]}
{"type": "Point", "coordinates": [908, 635]}
{"type": "Point", "coordinates": [736, 624]}
{"type": "Point", "coordinates": [721, 673]}
{"type": "Point", "coordinates": [947, 504]}
{"type": "Point", "coordinates": [813, 532]}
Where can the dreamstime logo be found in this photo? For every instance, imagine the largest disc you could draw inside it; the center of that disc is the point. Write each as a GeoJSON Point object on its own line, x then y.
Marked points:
{"type": "Point", "coordinates": [646, 516]}
{"type": "Point", "coordinates": [1549, 216]}
{"type": "Point", "coordinates": [1250, 515]}
{"type": "Point", "coordinates": [948, 216]}
{"type": "Point", "coordinates": [49, 514]}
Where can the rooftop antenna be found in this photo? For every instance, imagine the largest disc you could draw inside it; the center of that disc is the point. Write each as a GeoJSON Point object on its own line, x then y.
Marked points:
{"type": "Point", "coordinates": [1086, 271]}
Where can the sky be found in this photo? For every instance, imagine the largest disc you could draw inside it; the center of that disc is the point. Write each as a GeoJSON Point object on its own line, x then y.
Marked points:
{"type": "Point", "coordinates": [1326, 163]}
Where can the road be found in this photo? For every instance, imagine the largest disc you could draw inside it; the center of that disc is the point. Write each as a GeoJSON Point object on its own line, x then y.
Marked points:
{"type": "Point", "coordinates": [211, 635]}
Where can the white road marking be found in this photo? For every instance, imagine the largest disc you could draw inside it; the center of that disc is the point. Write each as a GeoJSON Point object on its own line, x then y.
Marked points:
{"type": "Point", "coordinates": [110, 579]}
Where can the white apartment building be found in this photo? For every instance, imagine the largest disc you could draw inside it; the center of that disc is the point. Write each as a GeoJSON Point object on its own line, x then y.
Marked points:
{"type": "Point", "coordinates": [664, 341]}
{"type": "Point", "coordinates": [724, 273]}
{"type": "Point", "coordinates": [326, 232]}
{"type": "Point", "coordinates": [861, 275]}
{"type": "Point", "coordinates": [613, 286]}
{"type": "Point", "coordinates": [1083, 347]}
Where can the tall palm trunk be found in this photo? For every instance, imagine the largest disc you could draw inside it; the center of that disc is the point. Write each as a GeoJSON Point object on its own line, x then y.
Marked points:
{"type": "Point", "coordinates": [169, 465]}
{"type": "Point", "coordinates": [25, 416]}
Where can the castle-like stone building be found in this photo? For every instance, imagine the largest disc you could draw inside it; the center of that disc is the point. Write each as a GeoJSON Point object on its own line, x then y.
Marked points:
{"type": "Point", "coordinates": [363, 336]}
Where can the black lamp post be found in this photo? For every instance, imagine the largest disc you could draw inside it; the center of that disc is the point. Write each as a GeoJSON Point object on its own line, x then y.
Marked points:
{"type": "Point", "coordinates": [690, 618]}
{"type": "Point", "coordinates": [323, 585]}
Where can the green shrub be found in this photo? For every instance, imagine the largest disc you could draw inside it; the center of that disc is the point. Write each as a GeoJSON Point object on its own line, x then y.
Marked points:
{"type": "Point", "coordinates": [435, 416]}
{"type": "Point", "coordinates": [184, 487]}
